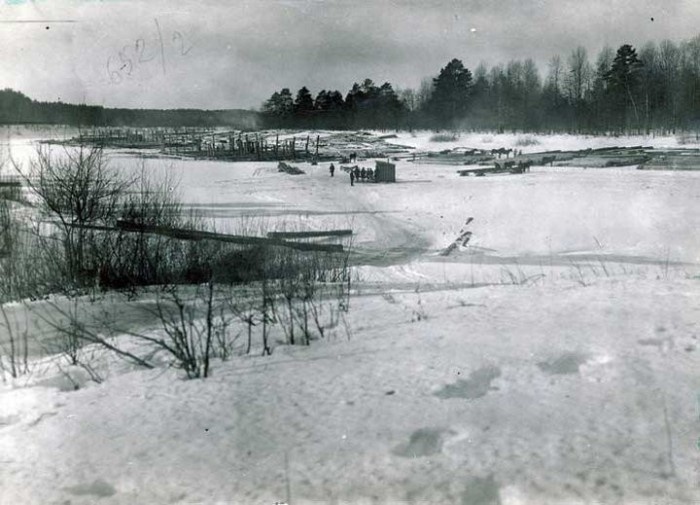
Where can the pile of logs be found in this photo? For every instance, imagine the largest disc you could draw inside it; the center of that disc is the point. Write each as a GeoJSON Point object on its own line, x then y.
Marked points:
{"type": "Point", "coordinates": [289, 169]}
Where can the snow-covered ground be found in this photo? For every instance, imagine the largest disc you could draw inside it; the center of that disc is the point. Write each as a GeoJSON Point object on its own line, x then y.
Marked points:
{"type": "Point", "coordinates": [554, 359]}
{"type": "Point", "coordinates": [422, 140]}
{"type": "Point", "coordinates": [548, 212]}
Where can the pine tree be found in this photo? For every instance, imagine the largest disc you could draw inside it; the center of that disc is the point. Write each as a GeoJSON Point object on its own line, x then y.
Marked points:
{"type": "Point", "coordinates": [623, 80]}
{"type": "Point", "coordinates": [304, 103]}
{"type": "Point", "coordinates": [451, 90]}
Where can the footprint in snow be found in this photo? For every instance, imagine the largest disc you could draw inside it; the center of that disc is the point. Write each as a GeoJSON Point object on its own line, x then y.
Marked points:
{"type": "Point", "coordinates": [565, 364]}
{"type": "Point", "coordinates": [481, 491]}
{"type": "Point", "coordinates": [423, 442]}
{"type": "Point", "coordinates": [477, 385]}
{"type": "Point", "coordinates": [98, 488]}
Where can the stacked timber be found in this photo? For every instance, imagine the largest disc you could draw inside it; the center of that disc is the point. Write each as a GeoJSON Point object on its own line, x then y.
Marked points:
{"type": "Point", "coordinates": [289, 169]}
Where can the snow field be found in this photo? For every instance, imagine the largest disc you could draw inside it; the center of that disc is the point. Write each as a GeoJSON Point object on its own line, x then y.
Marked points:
{"type": "Point", "coordinates": [552, 360]}
{"type": "Point", "coordinates": [540, 393]}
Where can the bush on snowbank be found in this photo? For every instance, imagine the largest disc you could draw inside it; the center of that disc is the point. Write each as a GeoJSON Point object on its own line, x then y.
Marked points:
{"type": "Point", "coordinates": [76, 247]}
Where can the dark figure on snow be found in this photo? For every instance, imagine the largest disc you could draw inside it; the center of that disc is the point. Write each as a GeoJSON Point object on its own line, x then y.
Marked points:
{"type": "Point", "coordinates": [353, 157]}
{"type": "Point", "coordinates": [352, 178]}
{"type": "Point", "coordinates": [332, 169]}
{"type": "Point", "coordinates": [363, 174]}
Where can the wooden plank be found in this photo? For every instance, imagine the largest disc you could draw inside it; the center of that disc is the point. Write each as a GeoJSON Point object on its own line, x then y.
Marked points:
{"type": "Point", "coordinates": [309, 234]}
{"type": "Point", "coordinates": [481, 171]}
{"type": "Point", "coordinates": [185, 234]}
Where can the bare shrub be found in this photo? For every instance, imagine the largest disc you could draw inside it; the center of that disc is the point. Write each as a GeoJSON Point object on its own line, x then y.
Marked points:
{"type": "Point", "coordinates": [6, 229]}
{"type": "Point", "coordinates": [14, 347]}
{"type": "Point", "coordinates": [83, 202]}
{"type": "Point", "coordinates": [302, 296]}
{"type": "Point", "coordinates": [77, 192]}
{"type": "Point", "coordinates": [205, 284]}
{"type": "Point", "coordinates": [130, 259]}
{"type": "Point", "coordinates": [69, 341]}
{"type": "Point", "coordinates": [195, 327]}
{"type": "Point", "coordinates": [189, 339]}
{"type": "Point", "coordinates": [266, 315]}
{"type": "Point", "coordinates": [246, 307]}
{"type": "Point", "coordinates": [72, 357]}
{"type": "Point", "coordinates": [312, 289]}
{"type": "Point", "coordinates": [72, 333]}
{"type": "Point", "coordinates": [31, 266]}
{"type": "Point", "coordinates": [30, 263]}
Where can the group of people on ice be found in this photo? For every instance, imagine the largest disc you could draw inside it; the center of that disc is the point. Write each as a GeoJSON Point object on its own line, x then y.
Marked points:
{"type": "Point", "coordinates": [356, 174]}
{"type": "Point", "coordinates": [361, 174]}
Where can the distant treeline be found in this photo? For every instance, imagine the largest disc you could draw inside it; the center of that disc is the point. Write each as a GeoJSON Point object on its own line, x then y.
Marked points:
{"type": "Point", "coordinates": [16, 108]}
{"type": "Point", "coordinates": [656, 88]}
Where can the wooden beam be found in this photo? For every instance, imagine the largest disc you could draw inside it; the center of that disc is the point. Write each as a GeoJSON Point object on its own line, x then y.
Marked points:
{"type": "Point", "coordinates": [309, 234]}
{"type": "Point", "coordinates": [184, 234]}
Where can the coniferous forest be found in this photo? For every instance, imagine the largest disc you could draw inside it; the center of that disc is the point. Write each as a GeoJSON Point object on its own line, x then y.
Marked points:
{"type": "Point", "coordinates": [17, 108]}
{"type": "Point", "coordinates": [654, 88]}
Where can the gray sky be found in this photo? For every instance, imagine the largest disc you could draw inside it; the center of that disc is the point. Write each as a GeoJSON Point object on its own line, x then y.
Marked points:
{"type": "Point", "coordinates": [227, 54]}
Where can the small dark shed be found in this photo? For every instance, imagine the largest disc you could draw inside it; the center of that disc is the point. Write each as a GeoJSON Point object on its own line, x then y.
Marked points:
{"type": "Point", "coordinates": [385, 172]}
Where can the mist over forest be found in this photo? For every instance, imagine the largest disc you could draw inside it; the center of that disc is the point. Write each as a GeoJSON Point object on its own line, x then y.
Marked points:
{"type": "Point", "coordinates": [654, 88]}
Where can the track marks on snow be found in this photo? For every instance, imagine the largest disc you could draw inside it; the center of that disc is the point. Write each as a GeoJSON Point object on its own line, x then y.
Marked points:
{"type": "Point", "coordinates": [481, 491]}
{"type": "Point", "coordinates": [98, 488]}
{"type": "Point", "coordinates": [564, 364]}
{"type": "Point", "coordinates": [477, 385]}
{"type": "Point", "coordinates": [422, 442]}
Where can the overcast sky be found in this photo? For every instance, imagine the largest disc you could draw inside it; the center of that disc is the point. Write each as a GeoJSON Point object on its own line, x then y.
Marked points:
{"type": "Point", "coordinates": [230, 54]}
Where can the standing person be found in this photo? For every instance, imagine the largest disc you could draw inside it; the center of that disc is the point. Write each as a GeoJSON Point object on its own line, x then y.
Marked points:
{"type": "Point", "coordinates": [332, 169]}
{"type": "Point", "coordinates": [352, 178]}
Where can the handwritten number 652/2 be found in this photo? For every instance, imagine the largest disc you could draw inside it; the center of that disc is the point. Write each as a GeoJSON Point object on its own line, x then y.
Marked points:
{"type": "Point", "coordinates": [122, 65]}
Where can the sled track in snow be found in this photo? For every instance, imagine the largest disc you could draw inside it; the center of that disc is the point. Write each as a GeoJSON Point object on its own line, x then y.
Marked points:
{"type": "Point", "coordinates": [396, 243]}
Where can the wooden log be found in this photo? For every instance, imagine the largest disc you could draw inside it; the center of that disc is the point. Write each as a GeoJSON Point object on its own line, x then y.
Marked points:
{"type": "Point", "coordinates": [309, 234]}
{"type": "Point", "coordinates": [185, 234]}
{"type": "Point", "coordinates": [479, 171]}
{"type": "Point", "coordinates": [289, 169]}
{"type": "Point", "coordinates": [195, 235]}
